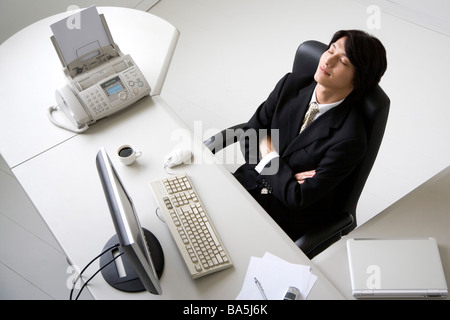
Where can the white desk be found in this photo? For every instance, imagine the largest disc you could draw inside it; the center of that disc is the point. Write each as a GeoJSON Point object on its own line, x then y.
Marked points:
{"type": "Point", "coordinates": [64, 185]}
{"type": "Point", "coordinates": [58, 172]}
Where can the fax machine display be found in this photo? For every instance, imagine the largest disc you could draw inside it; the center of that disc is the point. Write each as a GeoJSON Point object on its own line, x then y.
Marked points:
{"type": "Point", "coordinates": [113, 89]}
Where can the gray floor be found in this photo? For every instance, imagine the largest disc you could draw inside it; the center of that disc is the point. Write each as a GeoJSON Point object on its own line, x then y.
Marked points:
{"type": "Point", "coordinates": [229, 56]}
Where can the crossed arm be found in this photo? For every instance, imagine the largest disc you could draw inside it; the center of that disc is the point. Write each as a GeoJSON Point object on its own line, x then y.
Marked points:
{"type": "Point", "coordinates": [265, 147]}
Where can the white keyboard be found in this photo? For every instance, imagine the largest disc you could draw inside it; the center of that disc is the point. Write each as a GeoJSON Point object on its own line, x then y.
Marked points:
{"type": "Point", "coordinates": [189, 223]}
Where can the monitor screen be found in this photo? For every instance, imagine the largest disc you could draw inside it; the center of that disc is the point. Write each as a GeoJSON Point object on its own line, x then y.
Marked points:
{"type": "Point", "coordinates": [142, 262]}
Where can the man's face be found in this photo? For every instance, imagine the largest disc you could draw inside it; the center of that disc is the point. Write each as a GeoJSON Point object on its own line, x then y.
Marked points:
{"type": "Point", "coordinates": [335, 71]}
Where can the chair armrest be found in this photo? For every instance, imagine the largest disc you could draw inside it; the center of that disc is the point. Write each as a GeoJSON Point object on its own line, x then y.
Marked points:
{"type": "Point", "coordinates": [224, 138]}
{"type": "Point", "coordinates": [316, 240]}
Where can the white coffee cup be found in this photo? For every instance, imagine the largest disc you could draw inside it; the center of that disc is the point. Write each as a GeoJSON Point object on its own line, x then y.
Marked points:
{"type": "Point", "coordinates": [127, 154]}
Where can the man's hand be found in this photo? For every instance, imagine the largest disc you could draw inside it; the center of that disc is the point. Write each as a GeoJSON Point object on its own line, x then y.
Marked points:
{"type": "Point", "coordinates": [301, 176]}
{"type": "Point", "coordinates": [265, 146]}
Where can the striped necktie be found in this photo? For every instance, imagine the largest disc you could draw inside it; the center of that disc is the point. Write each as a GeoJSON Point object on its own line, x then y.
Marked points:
{"type": "Point", "coordinates": [309, 117]}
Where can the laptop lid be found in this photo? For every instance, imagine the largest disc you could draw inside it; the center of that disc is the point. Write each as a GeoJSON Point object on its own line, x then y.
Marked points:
{"type": "Point", "coordinates": [396, 268]}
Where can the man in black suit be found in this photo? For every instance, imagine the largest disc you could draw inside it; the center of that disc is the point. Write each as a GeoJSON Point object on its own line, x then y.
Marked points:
{"type": "Point", "coordinates": [309, 135]}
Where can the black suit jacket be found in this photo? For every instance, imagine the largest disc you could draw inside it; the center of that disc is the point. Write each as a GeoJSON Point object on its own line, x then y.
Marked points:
{"type": "Point", "coordinates": [333, 145]}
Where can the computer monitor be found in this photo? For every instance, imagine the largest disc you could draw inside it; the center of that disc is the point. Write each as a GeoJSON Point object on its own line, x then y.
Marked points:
{"type": "Point", "coordinates": [141, 265]}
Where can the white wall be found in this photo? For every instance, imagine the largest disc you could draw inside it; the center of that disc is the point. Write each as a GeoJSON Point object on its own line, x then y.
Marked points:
{"type": "Point", "coordinates": [431, 14]}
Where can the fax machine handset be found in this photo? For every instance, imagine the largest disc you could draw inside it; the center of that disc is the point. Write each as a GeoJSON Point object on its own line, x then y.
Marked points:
{"type": "Point", "coordinates": [71, 106]}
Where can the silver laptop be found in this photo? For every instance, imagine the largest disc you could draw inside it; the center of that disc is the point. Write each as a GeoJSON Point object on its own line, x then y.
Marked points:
{"type": "Point", "coordinates": [396, 268]}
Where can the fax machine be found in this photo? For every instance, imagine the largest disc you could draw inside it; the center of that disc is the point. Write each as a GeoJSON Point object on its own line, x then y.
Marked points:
{"type": "Point", "coordinates": [100, 79]}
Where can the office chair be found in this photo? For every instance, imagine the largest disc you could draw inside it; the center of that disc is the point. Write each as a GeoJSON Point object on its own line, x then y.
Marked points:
{"type": "Point", "coordinates": [375, 109]}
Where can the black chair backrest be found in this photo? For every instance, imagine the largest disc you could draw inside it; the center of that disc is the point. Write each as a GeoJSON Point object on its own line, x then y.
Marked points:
{"type": "Point", "coordinates": [375, 109]}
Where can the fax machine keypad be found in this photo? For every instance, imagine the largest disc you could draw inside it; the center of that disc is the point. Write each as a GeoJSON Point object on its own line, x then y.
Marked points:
{"type": "Point", "coordinates": [95, 102]}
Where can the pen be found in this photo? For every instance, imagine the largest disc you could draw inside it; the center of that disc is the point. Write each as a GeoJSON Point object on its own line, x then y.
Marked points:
{"type": "Point", "coordinates": [258, 284]}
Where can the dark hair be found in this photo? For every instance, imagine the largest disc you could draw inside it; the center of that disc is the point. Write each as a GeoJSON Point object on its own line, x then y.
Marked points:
{"type": "Point", "coordinates": [368, 56]}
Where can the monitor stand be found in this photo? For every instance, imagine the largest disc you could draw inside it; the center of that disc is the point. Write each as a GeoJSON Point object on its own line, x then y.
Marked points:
{"type": "Point", "coordinates": [130, 282]}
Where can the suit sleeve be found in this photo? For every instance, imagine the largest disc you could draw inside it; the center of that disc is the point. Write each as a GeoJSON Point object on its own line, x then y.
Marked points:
{"type": "Point", "coordinates": [259, 125]}
{"type": "Point", "coordinates": [337, 164]}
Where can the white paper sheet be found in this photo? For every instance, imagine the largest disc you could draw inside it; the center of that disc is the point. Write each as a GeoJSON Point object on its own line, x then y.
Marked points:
{"type": "Point", "coordinates": [275, 276]}
{"type": "Point", "coordinates": [80, 33]}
